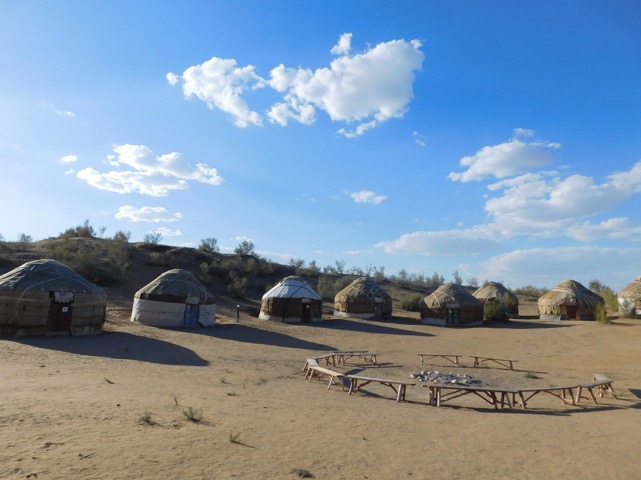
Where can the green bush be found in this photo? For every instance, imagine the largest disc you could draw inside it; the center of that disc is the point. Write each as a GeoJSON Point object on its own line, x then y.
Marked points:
{"type": "Point", "coordinates": [410, 302]}
{"type": "Point", "coordinates": [495, 311]}
{"type": "Point", "coordinates": [601, 314]}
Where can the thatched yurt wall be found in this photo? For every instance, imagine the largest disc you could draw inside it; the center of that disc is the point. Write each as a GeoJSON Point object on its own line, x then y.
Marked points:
{"type": "Point", "coordinates": [47, 297]}
{"type": "Point", "coordinates": [291, 300]}
{"type": "Point", "coordinates": [174, 299]}
{"type": "Point", "coordinates": [363, 298]}
{"type": "Point", "coordinates": [451, 304]}
{"type": "Point", "coordinates": [630, 299]}
{"type": "Point", "coordinates": [494, 292]}
{"type": "Point", "coordinates": [569, 300]}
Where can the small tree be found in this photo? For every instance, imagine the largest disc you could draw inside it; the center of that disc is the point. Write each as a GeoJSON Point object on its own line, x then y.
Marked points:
{"type": "Point", "coordinates": [340, 266]}
{"type": "Point", "coordinates": [121, 236]}
{"type": "Point", "coordinates": [152, 238]}
{"type": "Point", "coordinates": [457, 278]}
{"type": "Point", "coordinates": [245, 248]}
{"type": "Point", "coordinates": [24, 238]}
{"type": "Point", "coordinates": [209, 245]}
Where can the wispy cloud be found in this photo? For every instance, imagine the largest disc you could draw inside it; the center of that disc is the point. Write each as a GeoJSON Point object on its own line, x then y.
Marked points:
{"type": "Point", "coordinates": [366, 196]}
{"type": "Point", "coordinates": [167, 232]}
{"type": "Point", "coordinates": [148, 173]}
{"type": "Point", "coordinates": [58, 111]}
{"type": "Point", "coordinates": [363, 89]}
{"type": "Point", "coordinates": [69, 159]}
{"type": "Point", "coordinates": [147, 214]}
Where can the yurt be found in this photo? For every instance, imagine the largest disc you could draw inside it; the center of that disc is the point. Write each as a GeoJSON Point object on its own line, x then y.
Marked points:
{"type": "Point", "coordinates": [47, 297]}
{"type": "Point", "coordinates": [363, 298]}
{"type": "Point", "coordinates": [630, 299]}
{"type": "Point", "coordinates": [291, 300]}
{"type": "Point", "coordinates": [451, 304]}
{"type": "Point", "coordinates": [492, 294]}
{"type": "Point", "coordinates": [174, 299]}
{"type": "Point", "coordinates": [569, 300]}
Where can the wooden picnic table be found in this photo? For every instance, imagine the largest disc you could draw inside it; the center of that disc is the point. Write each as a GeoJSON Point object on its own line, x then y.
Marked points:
{"type": "Point", "coordinates": [399, 386]}
{"type": "Point", "coordinates": [447, 356]}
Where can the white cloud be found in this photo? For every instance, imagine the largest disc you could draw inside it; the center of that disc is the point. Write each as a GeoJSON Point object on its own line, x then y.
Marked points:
{"type": "Point", "coordinates": [549, 266]}
{"type": "Point", "coordinates": [150, 174]}
{"type": "Point", "coordinates": [343, 46]}
{"type": "Point", "coordinates": [58, 111]}
{"type": "Point", "coordinates": [172, 78]}
{"type": "Point", "coordinates": [365, 196]}
{"type": "Point", "coordinates": [368, 88]}
{"type": "Point", "coordinates": [70, 171]}
{"type": "Point", "coordinates": [448, 242]}
{"type": "Point", "coordinates": [69, 158]}
{"type": "Point", "coordinates": [506, 159]}
{"type": "Point", "coordinates": [220, 83]}
{"type": "Point", "coordinates": [147, 214]}
{"type": "Point", "coordinates": [363, 89]}
{"type": "Point", "coordinates": [166, 232]}
{"type": "Point", "coordinates": [611, 229]}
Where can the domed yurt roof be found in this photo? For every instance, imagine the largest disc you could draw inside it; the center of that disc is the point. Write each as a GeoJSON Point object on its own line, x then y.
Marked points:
{"type": "Point", "coordinates": [451, 293]}
{"type": "Point", "coordinates": [292, 287]}
{"type": "Point", "coordinates": [496, 292]}
{"type": "Point", "coordinates": [569, 299]}
{"type": "Point", "coordinates": [632, 290]}
{"type": "Point", "coordinates": [175, 286]}
{"type": "Point", "coordinates": [47, 275]}
{"type": "Point", "coordinates": [361, 297]}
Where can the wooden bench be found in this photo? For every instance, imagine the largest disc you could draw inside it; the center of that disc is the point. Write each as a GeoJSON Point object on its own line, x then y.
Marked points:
{"type": "Point", "coordinates": [478, 361]}
{"type": "Point", "coordinates": [318, 372]}
{"type": "Point", "coordinates": [497, 397]}
{"type": "Point", "coordinates": [600, 383]}
{"type": "Point", "coordinates": [367, 357]}
{"type": "Point", "coordinates": [310, 362]}
{"type": "Point", "coordinates": [399, 386]}
{"type": "Point", "coordinates": [447, 356]}
{"type": "Point", "coordinates": [562, 393]}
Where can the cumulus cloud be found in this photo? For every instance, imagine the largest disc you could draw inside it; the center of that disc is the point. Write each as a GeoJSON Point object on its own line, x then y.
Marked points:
{"type": "Point", "coordinates": [365, 196]}
{"type": "Point", "coordinates": [147, 214]}
{"type": "Point", "coordinates": [69, 159]}
{"type": "Point", "coordinates": [363, 89]}
{"type": "Point", "coordinates": [506, 159]}
{"type": "Point", "coordinates": [148, 173]}
{"type": "Point", "coordinates": [220, 83]}
{"type": "Point", "coordinates": [446, 242]}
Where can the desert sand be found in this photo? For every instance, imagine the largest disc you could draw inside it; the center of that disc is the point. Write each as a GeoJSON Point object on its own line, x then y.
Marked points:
{"type": "Point", "coordinates": [112, 406]}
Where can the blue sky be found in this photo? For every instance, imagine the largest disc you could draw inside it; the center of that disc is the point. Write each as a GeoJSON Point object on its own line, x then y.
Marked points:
{"type": "Point", "coordinates": [498, 139]}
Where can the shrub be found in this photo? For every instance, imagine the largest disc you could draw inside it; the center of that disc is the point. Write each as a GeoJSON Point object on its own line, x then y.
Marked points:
{"type": "Point", "coordinates": [193, 414]}
{"type": "Point", "coordinates": [209, 245]}
{"type": "Point", "coordinates": [410, 302]}
{"type": "Point", "coordinates": [495, 311]}
{"type": "Point", "coordinates": [601, 314]}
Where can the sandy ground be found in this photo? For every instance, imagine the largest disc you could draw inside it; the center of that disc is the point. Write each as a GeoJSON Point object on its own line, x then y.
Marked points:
{"type": "Point", "coordinates": [75, 408]}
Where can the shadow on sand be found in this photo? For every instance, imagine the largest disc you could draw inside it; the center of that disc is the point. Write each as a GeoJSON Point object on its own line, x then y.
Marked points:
{"type": "Point", "coordinates": [122, 345]}
{"type": "Point", "coordinates": [239, 332]}
{"type": "Point", "coordinates": [370, 326]}
{"type": "Point", "coordinates": [521, 323]}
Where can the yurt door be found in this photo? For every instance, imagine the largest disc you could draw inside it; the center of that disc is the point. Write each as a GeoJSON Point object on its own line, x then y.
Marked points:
{"type": "Point", "coordinates": [59, 319]}
{"type": "Point", "coordinates": [571, 308]}
{"type": "Point", "coordinates": [191, 315]}
{"type": "Point", "coordinates": [306, 315]}
{"type": "Point", "coordinates": [453, 316]}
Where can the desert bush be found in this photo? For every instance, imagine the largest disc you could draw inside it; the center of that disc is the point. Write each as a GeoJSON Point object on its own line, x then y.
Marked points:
{"type": "Point", "coordinates": [627, 308]}
{"type": "Point", "coordinates": [601, 314]}
{"type": "Point", "coordinates": [209, 245]}
{"type": "Point", "coordinates": [158, 259]}
{"type": "Point", "coordinates": [606, 293]}
{"type": "Point", "coordinates": [495, 311]}
{"type": "Point", "coordinates": [24, 238]}
{"type": "Point", "coordinates": [193, 414]}
{"type": "Point", "coordinates": [122, 236]}
{"type": "Point", "coordinates": [85, 230]}
{"type": "Point", "coordinates": [327, 287]}
{"type": "Point", "coordinates": [237, 285]}
{"type": "Point", "coordinates": [153, 238]}
{"type": "Point", "coordinates": [245, 248]}
{"type": "Point", "coordinates": [410, 302]}
{"type": "Point", "coordinates": [101, 261]}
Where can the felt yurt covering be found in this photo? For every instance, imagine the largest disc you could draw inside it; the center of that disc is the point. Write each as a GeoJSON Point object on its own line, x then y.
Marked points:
{"type": "Point", "coordinates": [494, 292]}
{"type": "Point", "coordinates": [48, 297]}
{"type": "Point", "coordinates": [291, 300]}
{"type": "Point", "coordinates": [451, 304]}
{"type": "Point", "coordinates": [174, 299]}
{"type": "Point", "coordinates": [569, 300]}
{"type": "Point", "coordinates": [363, 298]}
{"type": "Point", "coordinates": [630, 299]}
